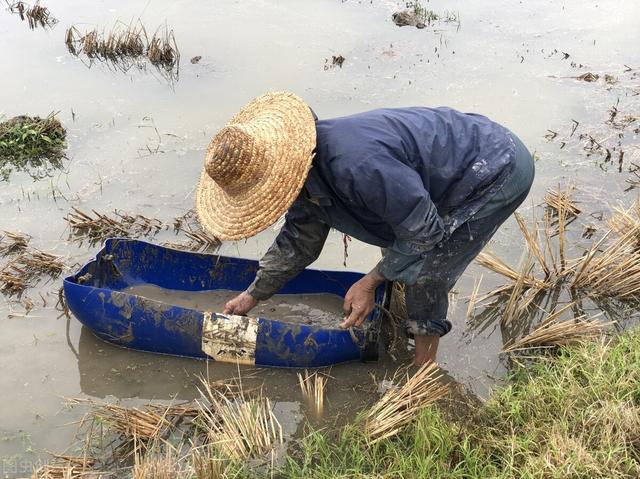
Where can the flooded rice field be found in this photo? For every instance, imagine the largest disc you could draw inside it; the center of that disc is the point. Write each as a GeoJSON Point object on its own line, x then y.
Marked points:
{"type": "Point", "coordinates": [564, 76]}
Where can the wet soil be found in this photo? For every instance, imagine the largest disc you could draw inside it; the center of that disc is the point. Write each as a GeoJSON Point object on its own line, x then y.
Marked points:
{"type": "Point", "coordinates": [323, 310]}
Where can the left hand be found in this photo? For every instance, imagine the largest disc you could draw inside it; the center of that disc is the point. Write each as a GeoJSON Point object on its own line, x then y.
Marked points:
{"type": "Point", "coordinates": [359, 301]}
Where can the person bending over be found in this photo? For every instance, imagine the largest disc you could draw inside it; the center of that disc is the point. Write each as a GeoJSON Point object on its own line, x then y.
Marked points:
{"type": "Point", "coordinates": [428, 185]}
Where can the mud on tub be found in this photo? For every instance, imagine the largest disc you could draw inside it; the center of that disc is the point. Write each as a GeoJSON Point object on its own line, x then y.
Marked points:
{"type": "Point", "coordinates": [106, 295]}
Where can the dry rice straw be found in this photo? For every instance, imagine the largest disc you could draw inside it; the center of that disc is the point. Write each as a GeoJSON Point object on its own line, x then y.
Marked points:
{"type": "Point", "coordinates": [312, 387]}
{"type": "Point", "coordinates": [399, 406]}
{"type": "Point", "coordinates": [553, 333]}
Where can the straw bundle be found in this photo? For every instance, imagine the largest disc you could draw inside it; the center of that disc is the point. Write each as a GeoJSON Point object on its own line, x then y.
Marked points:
{"type": "Point", "coordinates": [312, 387]}
{"type": "Point", "coordinates": [41, 262]}
{"type": "Point", "coordinates": [560, 200]}
{"type": "Point", "coordinates": [399, 406]}
{"type": "Point", "coordinates": [155, 466]}
{"type": "Point", "coordinates": [132, 422]}
{"type": "Point", "coordinates": [495, 264]}
{"type": "Point", "coordinates": [552, 333]}
{"type": "Point", "coordinates": [398, 305]}
{"type": "Point", "coordinates": [543, 269]}
{"type": "Point", "coordinates": [189, 409]}
{"type": "Point", "coordinates": [613, 270]}
{"type": "Point", "coordinates": [554, 268]}
{"type": "Point", "coordinates": [623, 220]}
{"type": "Point", "coordinates": [240, 427]}
{"type": "Point", "coordinates": [207, 464]}
{"type": "Point", "coordinates": [59, 471]}
{"type": "Point", "coordinates": [67, 467]}
{"type": "Point", "coordinates": [198, 239]}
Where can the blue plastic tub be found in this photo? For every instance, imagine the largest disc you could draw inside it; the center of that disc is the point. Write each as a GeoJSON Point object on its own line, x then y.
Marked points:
{"type": "Point", "coordinates": [95, 296]}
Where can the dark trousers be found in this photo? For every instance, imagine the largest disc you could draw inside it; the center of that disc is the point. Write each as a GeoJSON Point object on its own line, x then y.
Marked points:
{"type": "Point", "coordinates": [428, 299]}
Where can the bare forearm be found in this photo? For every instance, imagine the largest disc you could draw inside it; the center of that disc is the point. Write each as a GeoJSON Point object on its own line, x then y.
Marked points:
{"type": "Point", "coordinates": [373, 278]}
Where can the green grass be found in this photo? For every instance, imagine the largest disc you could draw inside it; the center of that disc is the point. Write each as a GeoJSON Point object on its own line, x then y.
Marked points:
{"type": "Point", "coordinates": [573, 415]}
{"type": "Point", "coordinates": [32, 144]}
{"type": "Point", "coordinates": [427, 16]}
{"type": "Point", "coordinates": [576, 415]}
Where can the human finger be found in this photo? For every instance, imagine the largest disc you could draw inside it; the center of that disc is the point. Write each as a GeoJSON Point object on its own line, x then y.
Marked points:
{"type": "Point", "coordinates": [360, 319]}
{"type": "Point", "coordinates": [352, 319]}
{"type": "Point", "coordinates": [228, 308]}
{"type": "Point", "coordinates": [360, 316]}
{"type": "Point", "coordinates": [346, 307]}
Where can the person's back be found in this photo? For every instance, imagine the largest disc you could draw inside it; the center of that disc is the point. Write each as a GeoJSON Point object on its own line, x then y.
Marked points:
{"type": "Point", "coordinates": [460, 158]}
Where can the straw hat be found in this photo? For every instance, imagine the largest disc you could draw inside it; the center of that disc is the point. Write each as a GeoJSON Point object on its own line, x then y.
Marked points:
{"type": "Point", "coordinates": [255, 166]}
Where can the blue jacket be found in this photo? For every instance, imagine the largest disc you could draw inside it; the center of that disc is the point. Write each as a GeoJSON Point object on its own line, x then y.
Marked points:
{"type": "Point", "coordinates": [403, 179]}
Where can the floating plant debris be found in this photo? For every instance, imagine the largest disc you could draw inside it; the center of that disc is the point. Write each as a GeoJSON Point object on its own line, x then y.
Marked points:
{"type": "Point", "coordinates": [336, 61]}
{"type": "Point", "coordinates": [125, 46]}
{"type": "Point", "coordinates": [36, 15]}
{"type": "Point", "coordinates": [416, 15]}
{"type": "Point", "coordinates": [21, 272]}
{"type": "Point", "coordinates": [162, 49]}
{"type": "Point", "coordinates": [197, 239]}
{"type": "Point", "coordinates": [13, 243]}
{"type": "Point", "coordinates": [588, 77]}
{"type": "Point", "coordinates": [95, 227]}
{"type": "Point", "coordinates": [611, 141]}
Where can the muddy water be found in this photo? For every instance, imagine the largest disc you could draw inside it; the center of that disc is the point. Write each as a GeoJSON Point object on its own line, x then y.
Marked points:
{"type": "Point", "coordinates": [324, 310]}
{"type": "Point", "coordinates": [136, 144]}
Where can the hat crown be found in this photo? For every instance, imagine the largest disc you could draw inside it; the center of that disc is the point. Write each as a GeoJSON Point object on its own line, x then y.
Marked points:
{"type": "Point", "coordinates": [235, 159]}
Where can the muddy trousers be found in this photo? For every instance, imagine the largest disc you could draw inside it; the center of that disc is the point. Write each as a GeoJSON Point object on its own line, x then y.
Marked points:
{"type": "Point", "coordinates": [428, 299]}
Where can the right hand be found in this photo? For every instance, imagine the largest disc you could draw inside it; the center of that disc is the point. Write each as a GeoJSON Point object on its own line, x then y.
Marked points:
{"type": "Point", "coordinates": [240, 305]}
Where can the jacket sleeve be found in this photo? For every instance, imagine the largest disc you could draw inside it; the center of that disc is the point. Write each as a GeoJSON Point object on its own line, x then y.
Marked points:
{"type": "Point", "coordinates": [396, 193]}
{"type": "Point", "coordinates": [298, 244]}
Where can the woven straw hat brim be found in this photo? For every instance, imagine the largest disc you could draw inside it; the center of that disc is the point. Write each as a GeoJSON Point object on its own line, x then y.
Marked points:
{"type": "Point", "coordinates": [286, 121]}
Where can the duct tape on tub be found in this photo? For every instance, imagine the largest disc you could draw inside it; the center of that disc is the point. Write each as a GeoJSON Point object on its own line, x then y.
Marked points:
{"type": "Point", "coordinates": [229, 338]}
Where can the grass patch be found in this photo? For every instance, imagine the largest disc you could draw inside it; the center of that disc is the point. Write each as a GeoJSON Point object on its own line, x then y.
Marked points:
{"type": "Point", "coordinates": [574, 415]}
{"type": "Point", "coordinates": [31, 144]}
{"type": "Point", "coordinates": [426, 15]}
